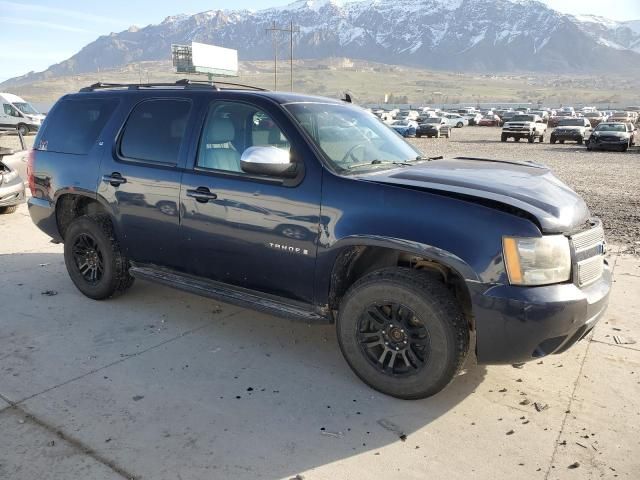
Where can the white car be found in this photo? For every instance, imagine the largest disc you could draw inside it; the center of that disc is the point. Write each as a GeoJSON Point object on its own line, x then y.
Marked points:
{"type": "Point", "coordinates": [456, 120]}
{"type": "Point", "coordinates": [526, 126]}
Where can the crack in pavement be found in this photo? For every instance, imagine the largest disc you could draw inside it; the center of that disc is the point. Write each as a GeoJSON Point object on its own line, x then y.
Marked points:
{"type": "Point", "coordinates": [626, 347]}
{"type": "Point", "coordinates": [74, 442]}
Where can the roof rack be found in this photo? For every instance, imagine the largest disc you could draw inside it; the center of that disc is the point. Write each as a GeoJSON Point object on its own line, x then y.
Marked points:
{"type": "Point", "coordinates": [184, 83]}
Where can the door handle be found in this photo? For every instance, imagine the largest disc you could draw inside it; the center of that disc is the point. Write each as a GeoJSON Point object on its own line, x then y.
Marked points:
{"type": "Point", "coordinates": [202, 194]}
{"type": "Point", "coordinates": [115, 179]}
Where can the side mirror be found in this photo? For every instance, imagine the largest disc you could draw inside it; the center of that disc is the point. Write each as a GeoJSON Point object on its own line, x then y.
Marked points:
{"type": "Point", "coordinates": [271, 161]}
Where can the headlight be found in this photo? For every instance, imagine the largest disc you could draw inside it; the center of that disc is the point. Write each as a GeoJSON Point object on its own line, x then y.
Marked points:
{"type": "Point", "coordinates": [537, 261]}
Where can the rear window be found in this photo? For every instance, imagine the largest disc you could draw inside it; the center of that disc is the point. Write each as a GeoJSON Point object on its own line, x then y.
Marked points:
{"type": "Point", "coordinates": [154, 131]}
{"type": "Point", "coordinates": [74, 124]}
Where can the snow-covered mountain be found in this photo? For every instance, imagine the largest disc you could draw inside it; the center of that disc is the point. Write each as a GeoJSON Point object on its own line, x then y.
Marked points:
{"type": "Point", "coordinates": [460, 35]}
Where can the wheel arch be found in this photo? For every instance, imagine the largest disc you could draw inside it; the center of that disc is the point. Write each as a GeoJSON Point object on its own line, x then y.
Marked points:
{"type": "Point", "coordinates": [71, 204]}
{"type": "Point", "coordinates": [360, 256]}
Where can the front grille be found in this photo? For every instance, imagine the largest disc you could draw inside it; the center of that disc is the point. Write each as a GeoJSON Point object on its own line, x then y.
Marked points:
{"type": "Point", "coordinates": [588, 250]}
{"type": "Point", "coordinates": [608, 138]}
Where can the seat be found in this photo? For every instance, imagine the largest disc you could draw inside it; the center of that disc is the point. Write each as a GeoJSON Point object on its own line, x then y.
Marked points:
{"type": "Point", "coordinates": [218, 152]}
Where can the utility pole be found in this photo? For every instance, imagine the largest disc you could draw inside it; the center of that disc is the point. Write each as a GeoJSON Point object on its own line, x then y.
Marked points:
{"type": "Point", "coordinates": [274, 30]}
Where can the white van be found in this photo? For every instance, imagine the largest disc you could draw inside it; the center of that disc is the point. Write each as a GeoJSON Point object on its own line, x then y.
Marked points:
{"type": "Point", "coordinates": [18, 113]}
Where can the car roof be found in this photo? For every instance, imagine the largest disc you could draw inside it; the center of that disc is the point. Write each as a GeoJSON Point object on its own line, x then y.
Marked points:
{"type": "Point", "coordinates": [279, 97]}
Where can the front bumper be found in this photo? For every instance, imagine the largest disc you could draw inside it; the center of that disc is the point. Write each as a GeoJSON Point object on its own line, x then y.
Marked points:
{"type": "Point", "coordinates": [595, 142]}
{"type": "Point", "coordinates": [519, 324]}
{"type": "Point", "coordinates": [573, 136]}
{"type": "Point", "coordinates": [517, 133]}
{"type": "Point", "coordinates": [12, 193]}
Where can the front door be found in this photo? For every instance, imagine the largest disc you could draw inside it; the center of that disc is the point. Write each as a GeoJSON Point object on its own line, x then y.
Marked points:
{"type": "Point", "coordinates": [140, 178]}
{"type": "Point", "coordinates": [254, 232]}
{"type": "Point", "coordinates": [9, 116]}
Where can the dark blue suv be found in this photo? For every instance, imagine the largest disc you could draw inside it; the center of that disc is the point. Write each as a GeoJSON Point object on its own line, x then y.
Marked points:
{"type": "Point", "coordinates": [312, 208]}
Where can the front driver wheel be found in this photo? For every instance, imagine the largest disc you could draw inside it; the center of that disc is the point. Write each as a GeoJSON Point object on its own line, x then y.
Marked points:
{"type": "Point", "coordinates": [402, 332]}
{"type": "Point", "coordinates": [93, 258]}
{"type": "Point", "coordinates": [459, 125]}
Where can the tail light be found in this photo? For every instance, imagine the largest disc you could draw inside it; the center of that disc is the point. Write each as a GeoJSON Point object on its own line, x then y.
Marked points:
{"type": "Point", "coordinates": [31, 156]}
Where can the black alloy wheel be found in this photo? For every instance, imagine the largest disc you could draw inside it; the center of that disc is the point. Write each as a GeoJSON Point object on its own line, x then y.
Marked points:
{"type": "Point", "coordinates": [88, 258]}
{"type": "Point", "coordinates": [393, 339]}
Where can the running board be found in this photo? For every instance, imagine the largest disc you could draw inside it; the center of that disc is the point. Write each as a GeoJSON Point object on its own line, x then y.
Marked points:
{"type": "Point", "coordinates": [219, 291]}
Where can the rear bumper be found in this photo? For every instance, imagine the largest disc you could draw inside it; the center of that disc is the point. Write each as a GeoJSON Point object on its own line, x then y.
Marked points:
{"type": "Point", "coordinates": [43, 214]}
{"type": "Point", "coordinates": [12, 194]}
{"type": "Point", "coordinates": [519, 324]}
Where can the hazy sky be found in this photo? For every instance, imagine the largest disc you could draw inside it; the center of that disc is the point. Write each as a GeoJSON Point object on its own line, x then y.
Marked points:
{"type": "Point", "coordinates": [37, 33]}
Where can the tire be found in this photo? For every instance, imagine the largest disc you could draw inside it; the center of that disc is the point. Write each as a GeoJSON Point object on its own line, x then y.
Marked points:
{"type": "Point", "coordinates": [418, 135]}
{"type": "Point", "coordinates": [8, 210]}
{"type": "Point", "coordinates": [516, 139]}
{"type": "Point", "coordinates": [23, 129]}
{"type": "Point", "coordinates": [562, 142]}
{"type": "Point", "coordinates": [418, 371]}
{"type": "Point", "coordinates": [503, 138]}
{"type": "Point", "coordinates": [625, 148]}
{"type": "Point", "coordinates": [541, 138]}
{"type": "Point", "coordinates": [580, 141]}
{"type": "Point", "coordinates": [531, 138]}
{"type": "Point", "coordinates": [459, 125]}
{"type": "Point", "coordinates": [553, 140]}
{"type": "Point", "coordinates": [94, 233]}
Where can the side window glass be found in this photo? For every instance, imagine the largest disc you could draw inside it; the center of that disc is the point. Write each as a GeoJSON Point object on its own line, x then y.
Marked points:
{"type": "Point", "coordinates": [230, 129]}
{"type": "Point", "coordinates": [155, 130]}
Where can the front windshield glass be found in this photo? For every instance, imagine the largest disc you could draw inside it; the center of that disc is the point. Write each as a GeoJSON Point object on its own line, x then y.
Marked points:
{"type": "Point", "coordinates": [610, 127]}
{"type": "Point", "coordinates": [523, 118]}
{"type": "Point", "coordinates": [432, 120]}
{"type": "Point", "coordinates": [571, 122]}
{"type": "Point", "coordinates": [351, 137]}
{"type": "Point", "coordinates": [27, 108]}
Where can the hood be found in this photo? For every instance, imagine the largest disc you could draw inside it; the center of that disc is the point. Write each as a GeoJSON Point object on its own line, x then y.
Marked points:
{"type": "Point", "coordinates": [518, 123]}
{"type": "Point", "coordinates": [527, 186]}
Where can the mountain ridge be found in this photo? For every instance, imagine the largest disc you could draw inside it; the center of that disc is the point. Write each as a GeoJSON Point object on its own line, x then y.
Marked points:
{"type": "Point", "coordinates": [456, 35]}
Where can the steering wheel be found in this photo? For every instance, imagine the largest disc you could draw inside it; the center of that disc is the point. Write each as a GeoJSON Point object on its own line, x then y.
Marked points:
{"type": "Point", "coordinates": [351, 152]}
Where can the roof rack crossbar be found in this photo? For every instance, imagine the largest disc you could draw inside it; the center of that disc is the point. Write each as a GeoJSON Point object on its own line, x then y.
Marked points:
{"type": "Point", "coordinates": [185, 83]}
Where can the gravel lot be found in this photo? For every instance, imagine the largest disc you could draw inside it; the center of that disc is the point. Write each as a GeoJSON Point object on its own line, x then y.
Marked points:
{"type": "Point", "coordinates": [608, 181]}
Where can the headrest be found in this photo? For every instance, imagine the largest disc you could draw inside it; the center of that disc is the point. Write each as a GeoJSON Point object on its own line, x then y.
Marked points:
{"type": "Point", "coordinates": [221, 130]}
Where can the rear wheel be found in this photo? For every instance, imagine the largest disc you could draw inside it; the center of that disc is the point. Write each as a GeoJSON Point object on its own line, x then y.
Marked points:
{"type": "Point", "coordinates": [93, 258]}
{"type": "Point", "coordinates": [7, 210]}
{"type": "Point", "coordinates": [402, 332]}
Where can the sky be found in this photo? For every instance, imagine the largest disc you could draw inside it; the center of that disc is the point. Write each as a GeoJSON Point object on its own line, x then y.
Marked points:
{"type": "Point", "coordinates": [35, 34]}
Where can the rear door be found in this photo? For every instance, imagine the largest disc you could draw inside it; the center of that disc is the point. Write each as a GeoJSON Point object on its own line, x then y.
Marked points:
{"type": "Point", "coordinates": [9, 116]}
{"type": "Point", "coordinates": [140, 178]}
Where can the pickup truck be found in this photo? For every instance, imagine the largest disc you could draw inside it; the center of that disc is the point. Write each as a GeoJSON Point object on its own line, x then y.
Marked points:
{"type": "Point", "coordinates": [313, 209]}
{"type": "Point", "coordinates": [524, 126]}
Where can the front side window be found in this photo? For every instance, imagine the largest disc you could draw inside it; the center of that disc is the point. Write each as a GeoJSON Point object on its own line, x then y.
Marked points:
{"type": "Point", "coordinates": [351, 137]}
{"type": "Point", "coordinates": [155, 130]}
{"type": "Point", "coordinates": [230, 129]}
{"type": "Point", "coordinates": [9, 110]}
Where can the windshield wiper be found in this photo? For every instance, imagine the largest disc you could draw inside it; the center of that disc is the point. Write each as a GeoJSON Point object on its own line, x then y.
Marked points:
{"type": "Point", "coordinates": [429, 159]}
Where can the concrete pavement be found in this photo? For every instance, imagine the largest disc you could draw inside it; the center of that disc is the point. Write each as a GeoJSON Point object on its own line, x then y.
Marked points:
{"type": "Point", "coordinates": [160, 384]}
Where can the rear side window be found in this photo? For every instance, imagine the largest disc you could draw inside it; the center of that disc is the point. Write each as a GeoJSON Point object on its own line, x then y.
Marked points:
{"type": "Point", "coordinates": [74, 124]}
{"type": "Point", "coordinates": [155, 130]}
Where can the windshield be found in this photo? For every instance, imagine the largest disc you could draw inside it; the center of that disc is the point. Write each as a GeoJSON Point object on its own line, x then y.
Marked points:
{"type": "Point", "coordinates": [350, 136]}
{"type": "Point", "coordinates": [610, 127]}
{"type": "Point", "coordinates": [432, 120]}
{"type": "Point", "coordinates": [25, 107]}
{"type": "Point", "coordinates": [571, 122]}
{"type": "Point", "coordinates": [523, 118]}
{"type": "Point", "coordinates": [592, 114]}
{"type": "Point", "coordinates": [401, 123]}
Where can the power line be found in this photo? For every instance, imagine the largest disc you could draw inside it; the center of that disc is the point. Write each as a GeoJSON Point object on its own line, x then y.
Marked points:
{"type": "Point", "coordinates": [274, 30]}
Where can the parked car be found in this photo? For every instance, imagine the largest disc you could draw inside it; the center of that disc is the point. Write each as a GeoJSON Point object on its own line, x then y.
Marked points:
{"type": "Point", "coordinates": [411, 256]}
{"type": "Point", "coordinates": [622, 117]}
{"type": "Point", "coordinates": [555, 119]}
{"type": "Point", "coordinates": [524, 126]}
{"type": "Point", "coordinates": [17, 113]}
{"type": "Point", "coordinates": [12, 191]}
{"type": "Point", "coordinates": [571, 129]}
{"type": "Point", "coordinates": [632, 129]}
{"type": "Point", "coordinates": [456, 120]}
{"type": "Point", "coordinates": [506, 116]}
{"type": "Point", "coordinates": [489, 121]}
{"type": "Point", "coordinates": [406, 128]}
{"type": "Point", "coordinates": [595, 118]}
{"type": "Point", "coordinates": [610, 136]}
{"type": "Point", "coordinates": [434, 127]}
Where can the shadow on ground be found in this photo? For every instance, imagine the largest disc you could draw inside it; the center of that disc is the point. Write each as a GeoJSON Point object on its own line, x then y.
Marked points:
{"type": "Point", "coordinates": [164, 381]}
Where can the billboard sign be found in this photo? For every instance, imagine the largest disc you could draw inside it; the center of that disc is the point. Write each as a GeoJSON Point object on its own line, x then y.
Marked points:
{"type": "Point", "coordinates": [203, 58]}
